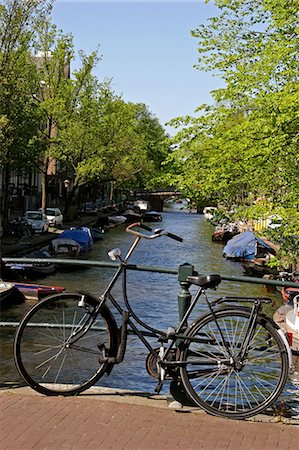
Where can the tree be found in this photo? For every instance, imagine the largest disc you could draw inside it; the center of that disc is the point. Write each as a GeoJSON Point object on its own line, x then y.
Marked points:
{"type": "Point", "coordinates": [53, 54]}
{"type": "Point", "coordinates": [18, 117]}
{"type": "Point", "coordinates": [108, 139]}
{"type": "Point", "coordinates": [247, 143]}
{"type": "Point", "coordinates": [48, 116]}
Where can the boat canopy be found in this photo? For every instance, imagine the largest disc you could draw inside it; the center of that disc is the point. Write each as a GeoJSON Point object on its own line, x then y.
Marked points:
{"type": "Point", "coordinates": [243, 246]}
{"type": "Point", "coordinates": [80, 235]}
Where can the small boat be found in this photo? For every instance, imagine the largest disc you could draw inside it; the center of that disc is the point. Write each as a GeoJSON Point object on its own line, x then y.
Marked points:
{"type": "Point", "coordinates": [223, 233]}
{"type": "Point", "coordinates": [259, 268]}
{"type": "Point", "coordinates": [287, 318]}
{"type": "Point", "coordinates": [97, 234]}
{"type": "Point", "coordinates": [34, 269]}
{"type": "Point", "coordinates": [246, 246]}
{"type": "Point", "coordinates": [132, 216]}
{"type": "Point", "coordinates": [117, 220]}
{"type": "Point", "coordinates": [72, 243]}
{"type": "Point", "coordinates": [37, 291]}
{"type": "Point", "coordinates": [64, 248]}
{"type": "Point", "coordinates": [209, 212]}
{"type": "Point", "coordinates": [151, 216]}
{"type": "Point", "coordinates": [289, 293]}
{"type": "Point", "coordinates": [9, 295]}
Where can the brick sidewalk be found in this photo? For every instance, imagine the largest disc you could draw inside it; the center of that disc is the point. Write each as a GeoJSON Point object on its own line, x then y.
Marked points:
{"type": "Point", "coordinates": [36, 422]}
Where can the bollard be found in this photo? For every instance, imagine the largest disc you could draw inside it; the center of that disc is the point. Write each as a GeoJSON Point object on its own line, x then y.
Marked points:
{"type": "Point", "coordinates": [184, 297]}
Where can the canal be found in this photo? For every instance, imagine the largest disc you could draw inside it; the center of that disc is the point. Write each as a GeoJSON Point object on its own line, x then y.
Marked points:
{"type": "Point", "coordinates": [152, 295]}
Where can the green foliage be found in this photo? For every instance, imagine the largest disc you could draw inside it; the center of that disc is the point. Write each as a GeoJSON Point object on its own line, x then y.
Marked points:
{"type": "Point", "coordinates": [243, 151]}
{"type": "Point", "coordinates": [18, 116]}
{"type": "Point", "coordinates": [93, 134]}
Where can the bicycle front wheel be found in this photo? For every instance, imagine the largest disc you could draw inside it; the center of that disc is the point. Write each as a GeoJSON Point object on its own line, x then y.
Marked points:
{"type": "Point", "coordinates": [218, 380]}
{"type": "Point", "coordinates": [58, 344]}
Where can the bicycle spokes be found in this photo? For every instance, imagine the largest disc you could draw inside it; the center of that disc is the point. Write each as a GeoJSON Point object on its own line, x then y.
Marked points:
{"type": "Point", "coordinates": [221, 380]}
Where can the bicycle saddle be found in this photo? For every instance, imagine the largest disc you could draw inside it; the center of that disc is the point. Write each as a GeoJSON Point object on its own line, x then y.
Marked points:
{"type": "Point", "coordinates": [205, 281]}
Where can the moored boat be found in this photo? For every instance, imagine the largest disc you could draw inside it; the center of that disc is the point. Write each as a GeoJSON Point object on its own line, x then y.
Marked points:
{"type": "Point", "coordinates": [9, 295]}
{"type": "Point", "coordinates": [246, 246]}
{"type": "Point", "coordinates": [132, 216]}
{"type": "Point", "coordinates": [37, 291]}
{"type": "Point", "coordinates": [287, 318]}
{"type": "Point", "coordinates": [209, 212]}
{"type": "Point", "coordinates": [73, 243]}
{"type": "Point", "coordinates": [116, 219]}
{"type": "Point", "coordinates": [258, 268]}
{"type": "Point", "coordinates": [34, 269]}
{"type": "Point", "coordinates": [223, 233]}
{"type": "Point", "coordinates": [151, 216]}
{"type": "Point", "coordinates": [97, 234]}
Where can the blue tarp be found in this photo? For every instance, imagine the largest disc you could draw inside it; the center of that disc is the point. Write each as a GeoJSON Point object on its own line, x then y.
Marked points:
{"type": "Point", "coordinates": [243, 245]}
{"type": "Point", "coordinates": [80, 235]}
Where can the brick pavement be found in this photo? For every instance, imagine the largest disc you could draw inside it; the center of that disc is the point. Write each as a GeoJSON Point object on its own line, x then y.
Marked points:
{"type": "Point", "coordinates": [31, 421]}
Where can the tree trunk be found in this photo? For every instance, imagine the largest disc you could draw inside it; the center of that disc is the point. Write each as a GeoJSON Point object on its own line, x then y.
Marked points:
{"type": "Point", "coordinates": [44, 184]}
{"type": "Point", "coordinates": [5, 206]}
{"type": "Point", "coordinates": [69, 200]}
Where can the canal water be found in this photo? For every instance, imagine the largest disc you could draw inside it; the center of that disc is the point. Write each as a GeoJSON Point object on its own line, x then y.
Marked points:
{"type": "Point", "coordinates": [152, 295]}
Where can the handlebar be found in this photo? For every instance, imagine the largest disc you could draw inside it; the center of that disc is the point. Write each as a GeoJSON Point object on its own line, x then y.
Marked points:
{"type": "Point", "coordinates": [156, 234]}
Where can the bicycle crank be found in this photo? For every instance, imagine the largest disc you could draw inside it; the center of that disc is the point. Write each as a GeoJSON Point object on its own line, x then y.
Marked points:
{"type": "Point", "coordinates": [151, 365]}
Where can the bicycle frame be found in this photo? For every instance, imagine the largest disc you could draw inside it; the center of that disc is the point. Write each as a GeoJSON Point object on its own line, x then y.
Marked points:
{"type": "Point", "coordinates": [162, 336]}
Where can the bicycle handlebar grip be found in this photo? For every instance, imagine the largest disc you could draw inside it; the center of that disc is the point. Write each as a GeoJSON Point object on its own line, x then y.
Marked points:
{"type": "Point", "coordinates": [145, 227]}
{"type": "Point", "coordinates": [176, 238]}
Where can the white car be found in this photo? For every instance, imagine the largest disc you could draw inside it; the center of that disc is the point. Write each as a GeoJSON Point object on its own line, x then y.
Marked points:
{"type": "Point", "coordinates": [54, 216]}
{"type": "Point", "coordinates": [38, 221]}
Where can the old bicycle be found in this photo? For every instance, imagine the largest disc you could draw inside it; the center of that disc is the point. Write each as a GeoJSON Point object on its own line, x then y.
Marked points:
{"type": "Point", "coordinates": [232, 361]}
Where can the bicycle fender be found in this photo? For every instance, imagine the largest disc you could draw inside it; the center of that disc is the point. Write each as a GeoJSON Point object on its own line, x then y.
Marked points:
{"type": "Point", "coordinates": [108, 316]}
{"type": "Point", "coordinates": [284, 338]}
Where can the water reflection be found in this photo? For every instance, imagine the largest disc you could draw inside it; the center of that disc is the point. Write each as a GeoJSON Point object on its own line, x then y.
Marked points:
{"type": "Point", "coordinates": [153, 296]}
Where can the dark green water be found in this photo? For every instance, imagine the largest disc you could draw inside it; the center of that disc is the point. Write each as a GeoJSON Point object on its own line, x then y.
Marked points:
{"type": "Point", "coordinates": [153, 296]}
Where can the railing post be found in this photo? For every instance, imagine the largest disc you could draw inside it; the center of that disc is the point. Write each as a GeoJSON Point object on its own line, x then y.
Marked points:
{"type": "Point", "coordinates": [184, 297]}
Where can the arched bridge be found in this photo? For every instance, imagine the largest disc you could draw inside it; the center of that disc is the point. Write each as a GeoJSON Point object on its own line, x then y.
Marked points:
{"type": "Point", "coordinates": [157, 197]}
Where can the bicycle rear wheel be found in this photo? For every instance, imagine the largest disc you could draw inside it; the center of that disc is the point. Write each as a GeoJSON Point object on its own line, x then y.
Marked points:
{"type": "Point", "coordinates": [221, 384]}
{"type": "Point", "coordinates": [53, 351]}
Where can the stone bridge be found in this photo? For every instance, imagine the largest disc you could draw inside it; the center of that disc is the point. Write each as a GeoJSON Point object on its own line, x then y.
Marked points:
{"type": "Point", "coordinates": [157, 197]}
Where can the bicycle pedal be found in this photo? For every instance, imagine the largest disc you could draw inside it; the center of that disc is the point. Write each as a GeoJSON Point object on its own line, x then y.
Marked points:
{"type": "Point", "coordinates": [170, 332]}
{"type": "Point", "coordinates": [104, 354]}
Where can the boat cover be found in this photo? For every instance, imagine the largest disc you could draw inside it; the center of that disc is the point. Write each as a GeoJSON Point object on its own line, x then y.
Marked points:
{"type": "Point", "coordinates": [80, 235]}
{"type": "Point", "coordinates": [243, 245]}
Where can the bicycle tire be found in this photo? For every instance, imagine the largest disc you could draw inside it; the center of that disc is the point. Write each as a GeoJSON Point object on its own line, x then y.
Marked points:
{"type": "Point", "coordinates": [26, 232]}
{"type": "Point", "coordinates": [226, 390]}
{"type": "Point", "coordinates": [43, 354]}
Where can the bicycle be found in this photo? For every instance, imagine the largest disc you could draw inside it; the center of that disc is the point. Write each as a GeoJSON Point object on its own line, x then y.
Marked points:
{"type": "Point", "coordinates": [20, 228]}
{"type": "Point", "coordinates": [232, 361]}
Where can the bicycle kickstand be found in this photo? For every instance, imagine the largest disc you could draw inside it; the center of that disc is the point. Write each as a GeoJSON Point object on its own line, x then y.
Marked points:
{"type": "Point", "coordinates": [161, 370]}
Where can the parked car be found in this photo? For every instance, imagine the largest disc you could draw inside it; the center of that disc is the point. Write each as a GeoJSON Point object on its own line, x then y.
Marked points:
{"type": "Point", "coordinates": [54, 216]}
{"type": "Point", "coordinates": [38, 220]}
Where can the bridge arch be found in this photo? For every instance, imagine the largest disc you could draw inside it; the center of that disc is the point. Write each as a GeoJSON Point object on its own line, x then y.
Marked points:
{"type": "Point", "coordinates": [157, 197]}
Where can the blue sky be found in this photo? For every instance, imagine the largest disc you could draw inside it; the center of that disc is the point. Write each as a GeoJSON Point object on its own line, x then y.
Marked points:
{"type": "Point", "coordinates": [146, 49]}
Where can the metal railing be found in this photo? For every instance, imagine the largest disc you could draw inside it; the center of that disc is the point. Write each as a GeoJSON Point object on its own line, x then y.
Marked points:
{"type": "Point", "coordinates": [166, 270]}
{"type": "Point", "coordinates": [182, 272]}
